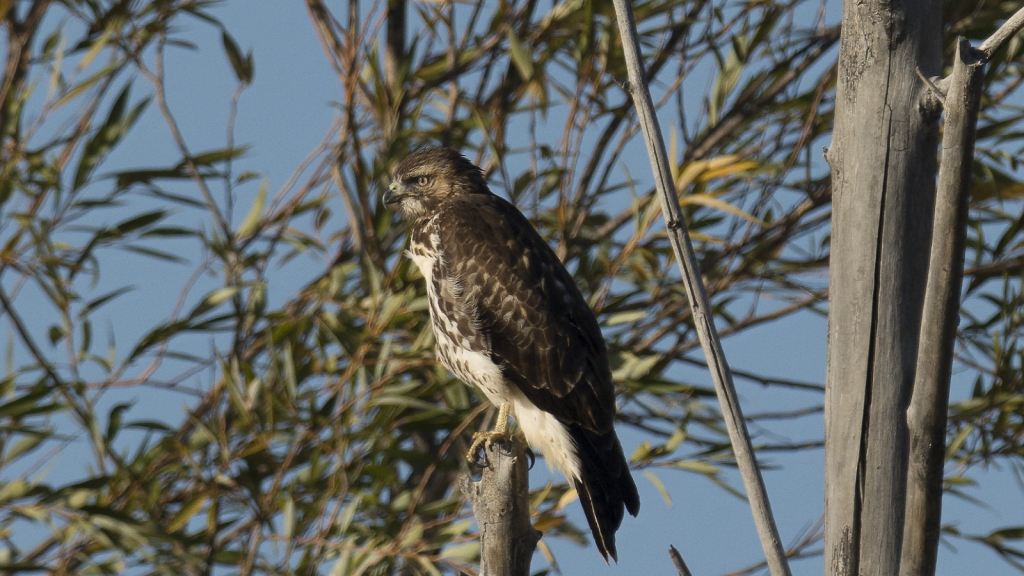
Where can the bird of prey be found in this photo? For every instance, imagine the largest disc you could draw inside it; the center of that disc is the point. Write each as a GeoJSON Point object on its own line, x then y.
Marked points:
{"type": "Point", "coordinates": [508, 318]}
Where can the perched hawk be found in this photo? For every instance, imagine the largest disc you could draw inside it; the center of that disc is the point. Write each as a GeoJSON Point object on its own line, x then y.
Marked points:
{"type": "Point", "coordinates": [508, 318]}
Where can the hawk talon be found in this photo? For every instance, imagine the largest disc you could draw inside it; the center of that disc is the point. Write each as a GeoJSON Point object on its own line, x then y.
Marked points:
{"type": "Point", "coordinates": [532, 457]}
{"type": "Point", "coordinates": [499, 434]}
{"type": "Point", "coordinates": [485, 439]}
{"type": "Point", "coordinates": [477, 460]}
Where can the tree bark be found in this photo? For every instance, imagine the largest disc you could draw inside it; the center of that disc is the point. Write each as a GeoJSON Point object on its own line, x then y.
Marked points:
{"type": "Point", "coordinates": [501, 505]}
{"type": "Point", "coordinates": [883, 174]}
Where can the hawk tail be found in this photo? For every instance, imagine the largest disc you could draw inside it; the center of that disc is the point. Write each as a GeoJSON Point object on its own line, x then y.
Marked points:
{"type": "Point", "coordinates": [605, 485]}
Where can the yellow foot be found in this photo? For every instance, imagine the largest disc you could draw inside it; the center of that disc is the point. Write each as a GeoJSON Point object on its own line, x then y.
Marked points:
{"type": "Point", "coordinates": [487, 439]}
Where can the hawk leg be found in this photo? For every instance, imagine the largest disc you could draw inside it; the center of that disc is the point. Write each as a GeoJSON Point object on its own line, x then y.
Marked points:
{"type": "Point", "coordinates": [487, 439]}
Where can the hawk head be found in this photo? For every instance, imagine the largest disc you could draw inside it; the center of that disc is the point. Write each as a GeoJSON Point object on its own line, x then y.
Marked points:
{"type": "Point", "coordinates": [428, 177]}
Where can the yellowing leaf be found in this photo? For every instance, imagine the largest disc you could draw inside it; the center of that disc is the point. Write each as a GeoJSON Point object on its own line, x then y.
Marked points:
{"type": "Point", "coordinates": [83, 86]}
{"type": "Point", "coordinates": [467, 551]}
{"type": "Point", "coordinates": [566, 498]}
{"type": "Point", "coordinates": [14, 489]}
{"type": "Point", "coordinates": [661, 487]}
{"type": "Point", "coordinates": [726, 170]}
{"type": "Point", "coordinates": [58, 63]}
{"type": "Point", "coordinates": [187, 512]}
{"type": "Point", "coordinates": [697, 466]}
{"type": "Point", "coordinates": [712, 202]}
{"type": "Point", "coordinates": [705, 170]}
{"type": "Point", "coordinates": [94, 50]}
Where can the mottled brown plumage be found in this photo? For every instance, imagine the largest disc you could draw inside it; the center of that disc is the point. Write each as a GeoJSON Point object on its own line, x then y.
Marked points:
{"type": "Point", "coordinates": [508, 318]}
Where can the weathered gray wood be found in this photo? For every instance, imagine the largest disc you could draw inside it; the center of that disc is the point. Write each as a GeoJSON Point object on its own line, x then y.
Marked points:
{"type": "Point", "coordinates": [679, 238]}
{"type": "Point", "coordinates": [926, 417]}
{"type": "Point", "coordinates": [1008, 30]}
{"type": "Point", "coordinates": [501, 505]}
{"type": "Point", "coordinates": [883, 173]}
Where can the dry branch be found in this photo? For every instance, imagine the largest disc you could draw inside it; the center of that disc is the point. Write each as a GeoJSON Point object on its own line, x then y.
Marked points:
{"type": "Point", "coordinates": [697, 295]}
{"type": "Point", "coordinates": [926, 416]}
{"type": "Point", "coordinates": [501, 505]}
{"type": "Point", "coordinates": [677, 560]}
{"type": "Point", "coordinates": [1008, 30]}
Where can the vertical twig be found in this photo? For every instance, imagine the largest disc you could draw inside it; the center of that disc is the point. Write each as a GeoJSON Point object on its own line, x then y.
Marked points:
{"type": "Point", "coordinates": [926, 415]}
{"type": "Point", "coordinates": [697, 295]}
{"type": "Point", "coordinates": [501, 505]}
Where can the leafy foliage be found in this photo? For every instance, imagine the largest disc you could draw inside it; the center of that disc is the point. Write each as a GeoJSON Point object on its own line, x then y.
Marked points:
{"type": "Point", "coordinates": [317, 433]}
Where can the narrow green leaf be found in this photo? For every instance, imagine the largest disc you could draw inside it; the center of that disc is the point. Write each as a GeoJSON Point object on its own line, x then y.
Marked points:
{"type": "Point", "coordinates": [157, 254]}
{"type": "Point", "coordinates": [187, 512]}
{"type": "Point", "coordinates": [215, 156]}
{"type": "Point", "coordinates": [27, 404]}
{"type": "Point", "coordinates": [157, 335]}
{"type": "Point", "coordinates": [115, 419]}
{"type": "Point", "coordinates": [117, 124]}
{"type": "Point", "coordinates": [520, 55]}
{"type": "Point", "coordinates": [1014, 533]}
{"type": "Point", "coordinates": [136, 222]}
{"type": "Point", "coordinates": [97, 302]}
{"type": "Point", "coordinates": [24, 445]}
{"type": "Point", "coordinates": [242, 65]}
{"type": "Point", "coordinates": [145, 176]}
{"type": "Point", "coordinates": [212, 300]}
{"type": "Point", "coordinates": [255, 211]}
{"type": "Point", "coordinates": [166, 331]}
{"type": "Point", "coordinates": [168, 232]}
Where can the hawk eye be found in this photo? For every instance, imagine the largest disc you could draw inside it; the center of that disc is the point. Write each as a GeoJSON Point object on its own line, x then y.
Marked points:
{"type": "Point", "coordinates": [423, 181]}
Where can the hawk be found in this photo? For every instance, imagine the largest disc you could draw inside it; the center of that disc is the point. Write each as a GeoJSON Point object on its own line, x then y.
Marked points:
{"type": "Point", "coordinates": [508, 318]}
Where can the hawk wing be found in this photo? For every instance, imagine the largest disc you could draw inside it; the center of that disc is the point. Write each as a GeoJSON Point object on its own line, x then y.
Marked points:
{"type": "Point", "coordinates": [524, 307]}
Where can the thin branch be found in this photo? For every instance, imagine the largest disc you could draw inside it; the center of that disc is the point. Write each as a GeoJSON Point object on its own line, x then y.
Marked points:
{"type": "Point", "coordinates": [677, 559]}
{"type": "Point", "coordinates": [697, 295]}
{"type": "Point", "coordinates": [926, 415]}
{"type": "Point", "coordinates": [1008, 30]}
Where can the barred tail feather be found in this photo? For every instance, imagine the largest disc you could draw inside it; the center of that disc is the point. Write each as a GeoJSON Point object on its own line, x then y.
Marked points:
{"type": "Point", "coordinates": [605, 486]}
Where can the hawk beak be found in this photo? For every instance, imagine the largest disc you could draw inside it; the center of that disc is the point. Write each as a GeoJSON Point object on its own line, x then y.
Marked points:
{"type": "Point", "coordinates": [394, 194]}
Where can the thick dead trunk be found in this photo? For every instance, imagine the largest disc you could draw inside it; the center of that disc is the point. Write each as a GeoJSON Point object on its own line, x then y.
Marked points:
{"type": "Point", "coordinates": [883, 177]}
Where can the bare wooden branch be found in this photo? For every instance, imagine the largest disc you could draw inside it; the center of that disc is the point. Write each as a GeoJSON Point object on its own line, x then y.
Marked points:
{"type": "Point", "coordinates": [926, 416]}
{"type": "Point", "coordinates": [677, 560]}
{"type": "Point", "coordinates": [697, 295]}
{"type": "Point", "coordinates": [501, 505]}
{"type": "Point", "coordinates": [1008, 30]}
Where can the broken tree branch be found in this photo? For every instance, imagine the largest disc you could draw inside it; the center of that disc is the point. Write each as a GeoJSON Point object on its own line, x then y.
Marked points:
{"type": "Point", "coordinates": [501, 505]}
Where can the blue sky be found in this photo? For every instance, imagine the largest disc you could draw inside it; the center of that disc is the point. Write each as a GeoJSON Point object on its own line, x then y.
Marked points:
{"type": "Point", "coordinates": [285, 114]}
